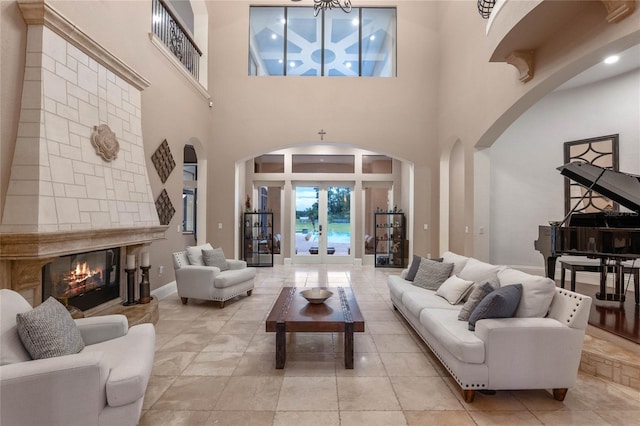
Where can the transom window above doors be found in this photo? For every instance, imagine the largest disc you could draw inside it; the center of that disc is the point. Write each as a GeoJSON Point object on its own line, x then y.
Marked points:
{"type": "Point", "coordinates": [286, 41]}
{"type": "Point", "coordinates": [318, 163]}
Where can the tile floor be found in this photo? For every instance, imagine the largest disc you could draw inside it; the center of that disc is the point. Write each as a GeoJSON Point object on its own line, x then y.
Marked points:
{"type": "Point", "coordinates": [217, 367]}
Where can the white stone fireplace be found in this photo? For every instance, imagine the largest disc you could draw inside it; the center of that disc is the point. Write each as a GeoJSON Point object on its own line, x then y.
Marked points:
{"type": "Point", "coordinates": [64, 197]}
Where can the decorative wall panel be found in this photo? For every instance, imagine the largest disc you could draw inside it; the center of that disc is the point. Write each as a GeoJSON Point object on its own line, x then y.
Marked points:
{"type": "Point", "coordinates": [601, 151]}
{"type": "Point", "coordinates": [163, 161]}
{"type": "Point", "coordinates": [165, 208]}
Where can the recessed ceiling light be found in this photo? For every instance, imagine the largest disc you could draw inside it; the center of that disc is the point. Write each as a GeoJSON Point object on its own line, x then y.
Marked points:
{"type": "Point", "coordinates": [273, 36]}
{"type": "Point", "coordinates": [283, 21]}
{"type": "Point", "coordinates": [279, 61]}
{"type": "Point", "coordinates": [292, 64]}
{"type": "Point", "coordinates": [611, 59]}
{"type": "Point", "coordinates": [348, 64]}
{"type": "Point", "coordinates": [355, 21]}
{"type": "Point", "coordinates": [373, 37]}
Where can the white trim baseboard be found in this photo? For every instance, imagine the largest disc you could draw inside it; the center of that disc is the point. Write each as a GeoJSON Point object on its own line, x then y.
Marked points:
{"type": "Point", "coordinates": [165, 290]}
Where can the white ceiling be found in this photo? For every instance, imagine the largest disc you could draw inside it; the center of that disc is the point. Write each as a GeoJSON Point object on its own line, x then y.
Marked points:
{"type": "Point", "coordinates": [629, 60]}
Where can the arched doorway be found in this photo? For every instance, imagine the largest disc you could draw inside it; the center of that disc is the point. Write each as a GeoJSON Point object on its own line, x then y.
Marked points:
{"type": "Point", "coordinates": [345, 183]}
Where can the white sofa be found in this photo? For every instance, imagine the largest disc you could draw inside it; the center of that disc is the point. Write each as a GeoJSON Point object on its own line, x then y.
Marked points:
{"type": "Point", "coordinates": [103, 384]}
{"type": "Point", "coordinates": [528, 351]}
{"type": "Point", "coordinates": [196, 280]}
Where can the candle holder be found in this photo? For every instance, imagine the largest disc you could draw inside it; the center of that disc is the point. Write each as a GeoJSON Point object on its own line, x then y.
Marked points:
{"type": "Point", "coordinates": [145, 286]}
{"type": "Point", "coordinates": [131, 287]}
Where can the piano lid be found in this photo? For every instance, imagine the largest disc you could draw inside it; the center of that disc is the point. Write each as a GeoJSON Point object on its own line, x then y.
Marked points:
{"type": "Point", "coordinates": [624, 188]}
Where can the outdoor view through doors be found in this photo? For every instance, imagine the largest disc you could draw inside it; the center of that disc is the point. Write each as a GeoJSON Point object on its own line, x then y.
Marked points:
{"type": "Point", "coordinates": [323, 226]}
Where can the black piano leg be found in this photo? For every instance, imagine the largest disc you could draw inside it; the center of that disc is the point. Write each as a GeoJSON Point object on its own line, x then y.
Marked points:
{"type": "Point", "coordinates": [618, 282]}
{"type": "Point", "coordinates": [602, 295]}
{"type": "Point", "coordinates": [551, 267]}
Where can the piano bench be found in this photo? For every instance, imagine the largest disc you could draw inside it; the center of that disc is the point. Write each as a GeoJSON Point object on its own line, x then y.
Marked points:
{"type": "Point", "coordinates": [594, 266]}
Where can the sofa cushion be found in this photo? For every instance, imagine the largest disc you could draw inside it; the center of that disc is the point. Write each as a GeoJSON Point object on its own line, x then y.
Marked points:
{"type": "Point", "coordinates": [457, 260]}
{"type": "Point", "coordinates": [11, 303]}
{"type": "Point", "coordinates": [500, 303]}
{"type": "Point", "coordinates": [432, 274]}
{"type": "Point", "coordinates": [478, 292]}
{"type": "Point", "coordinates": [417, 300]}
{"type": "Point", "coordinates": [398, 286]}
{"type": "Point", "coordinates": [537, 292]}
{"type": "Point", "coordinates": [194, 253]}
{"type": "Point", "coordinates": [454, 289]}
{"type": "Point", "coordinates": [48, 331]}
{"type": "Point", "coordinates": [479, 272]}
{"type": "Point", "coordinates": [444, 326]}
{"type": "Point", "coordinates": [233, 277]}
{"type": "Point", "coordinates": [216, 258]}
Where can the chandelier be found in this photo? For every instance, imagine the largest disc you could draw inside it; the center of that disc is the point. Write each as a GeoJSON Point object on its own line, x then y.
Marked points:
{"type": "Point", "coordinates": [319, 5]}
{"type": "Point", "coordinates": [485, 7]}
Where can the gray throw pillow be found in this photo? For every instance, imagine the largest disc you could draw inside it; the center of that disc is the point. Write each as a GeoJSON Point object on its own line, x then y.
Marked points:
{"type": "Point", "coordinates": [415, 264]}
{"type": "Point", "coordinates": [413, 269]}
{"type": "Point", "coordinates": [215, 257]}
{"type": "Point", "coordinates": [432, 274]}
{"type": "Point", "coordinates": [500, 303]}
{"type": "Point", "coordinates": [48, 331]}
{"type": "Point", "coordinates": [477, 294]}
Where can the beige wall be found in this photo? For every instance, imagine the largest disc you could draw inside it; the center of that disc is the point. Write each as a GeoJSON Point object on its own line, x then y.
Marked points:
{"type": "Point", "coordinates": [172, 108]}
{"type": "Point", "coordinates": [253, 115]}
{"type": "Point", "coordinates": [445, 90]}
{"type": "Point", "coordinates": [478, 100]}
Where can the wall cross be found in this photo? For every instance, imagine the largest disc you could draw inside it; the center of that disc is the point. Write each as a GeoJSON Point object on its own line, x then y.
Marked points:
{"type": "Point", "coordinates": [322, 133]}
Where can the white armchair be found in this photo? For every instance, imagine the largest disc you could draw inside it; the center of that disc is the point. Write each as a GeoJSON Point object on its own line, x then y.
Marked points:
{"type": "Point", "coordinates": [198, 281]}
{"type": "Point", "coordinates": [104, 384]}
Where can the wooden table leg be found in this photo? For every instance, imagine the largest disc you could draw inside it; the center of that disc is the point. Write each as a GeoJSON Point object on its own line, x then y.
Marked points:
{"type": "Point", "coordinates": [562, 274]}
{"type": "Point", "coordinates": [348, 345]}
{"type": "Point", "coordinates": [281, 345]}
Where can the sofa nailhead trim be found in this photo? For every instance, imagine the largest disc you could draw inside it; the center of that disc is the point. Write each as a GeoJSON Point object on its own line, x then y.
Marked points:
{"type": "Point", "coordinates": [462, 385]}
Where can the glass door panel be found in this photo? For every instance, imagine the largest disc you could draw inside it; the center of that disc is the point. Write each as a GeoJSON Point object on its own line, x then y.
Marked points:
{"type": "Point", "coordinates": [306, 220]}
{"type": "Point", "coordinates": [339, 221]}
{"type": "Point", "coordinates": [323, 229]}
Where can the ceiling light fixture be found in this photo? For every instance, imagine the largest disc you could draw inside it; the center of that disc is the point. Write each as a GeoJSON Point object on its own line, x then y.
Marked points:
{"type": "Point", "coordinates": [319, 5]}
{"type": "Point", "coordinates": [611, 59]}
{"type": "Point", "coordinates": [485, 7]}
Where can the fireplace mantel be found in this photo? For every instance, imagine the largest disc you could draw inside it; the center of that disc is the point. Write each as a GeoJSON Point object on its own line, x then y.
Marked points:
{"type": "Point", "coordinates": [27, 253]}
{"type": "Point", "coordinates": [46, 245]}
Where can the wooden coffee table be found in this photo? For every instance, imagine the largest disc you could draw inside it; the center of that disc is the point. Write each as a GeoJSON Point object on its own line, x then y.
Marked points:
{"type": "Point", "coordinates": [292, 313]}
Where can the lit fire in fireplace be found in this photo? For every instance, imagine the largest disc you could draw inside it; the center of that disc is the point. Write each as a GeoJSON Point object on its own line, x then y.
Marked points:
{"type": "Point", "coordinates": [82, 279]}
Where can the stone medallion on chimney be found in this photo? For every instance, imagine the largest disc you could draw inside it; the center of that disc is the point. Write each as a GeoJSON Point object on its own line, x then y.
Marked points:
{"type": "Point", "coordinates": [62, 197]}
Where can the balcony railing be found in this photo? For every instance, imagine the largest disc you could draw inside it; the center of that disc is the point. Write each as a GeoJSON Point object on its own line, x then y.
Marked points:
{"type": "Point", "coordinates": [167, 26]}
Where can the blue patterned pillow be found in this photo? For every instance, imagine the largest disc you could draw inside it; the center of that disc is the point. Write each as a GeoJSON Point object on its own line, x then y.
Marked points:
{"type": "Point", "coordinates": [500, 303]}
{"type": "Point", "coordinates": [48, 331]}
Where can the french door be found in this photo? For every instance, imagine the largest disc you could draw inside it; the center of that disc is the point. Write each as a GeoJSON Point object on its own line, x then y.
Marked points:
{"type": "Point", "coordinates": [321, 220]}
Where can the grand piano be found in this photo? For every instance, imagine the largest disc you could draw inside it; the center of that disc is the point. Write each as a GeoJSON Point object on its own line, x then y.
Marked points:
{"type": "Point", "coordinates": [611, 236]}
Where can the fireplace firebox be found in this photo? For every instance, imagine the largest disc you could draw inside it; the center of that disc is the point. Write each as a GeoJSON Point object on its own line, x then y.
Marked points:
{"type": "Point", "coordinates": [83, 280]}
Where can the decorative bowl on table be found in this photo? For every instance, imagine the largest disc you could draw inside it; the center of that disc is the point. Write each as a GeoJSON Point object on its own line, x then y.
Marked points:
{"type": "Point", "coordinates": [316, 295]}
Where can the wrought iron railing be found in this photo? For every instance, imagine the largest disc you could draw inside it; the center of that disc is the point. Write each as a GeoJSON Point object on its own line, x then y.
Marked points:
{"type": "Point", "coordinates": [167, 26]}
